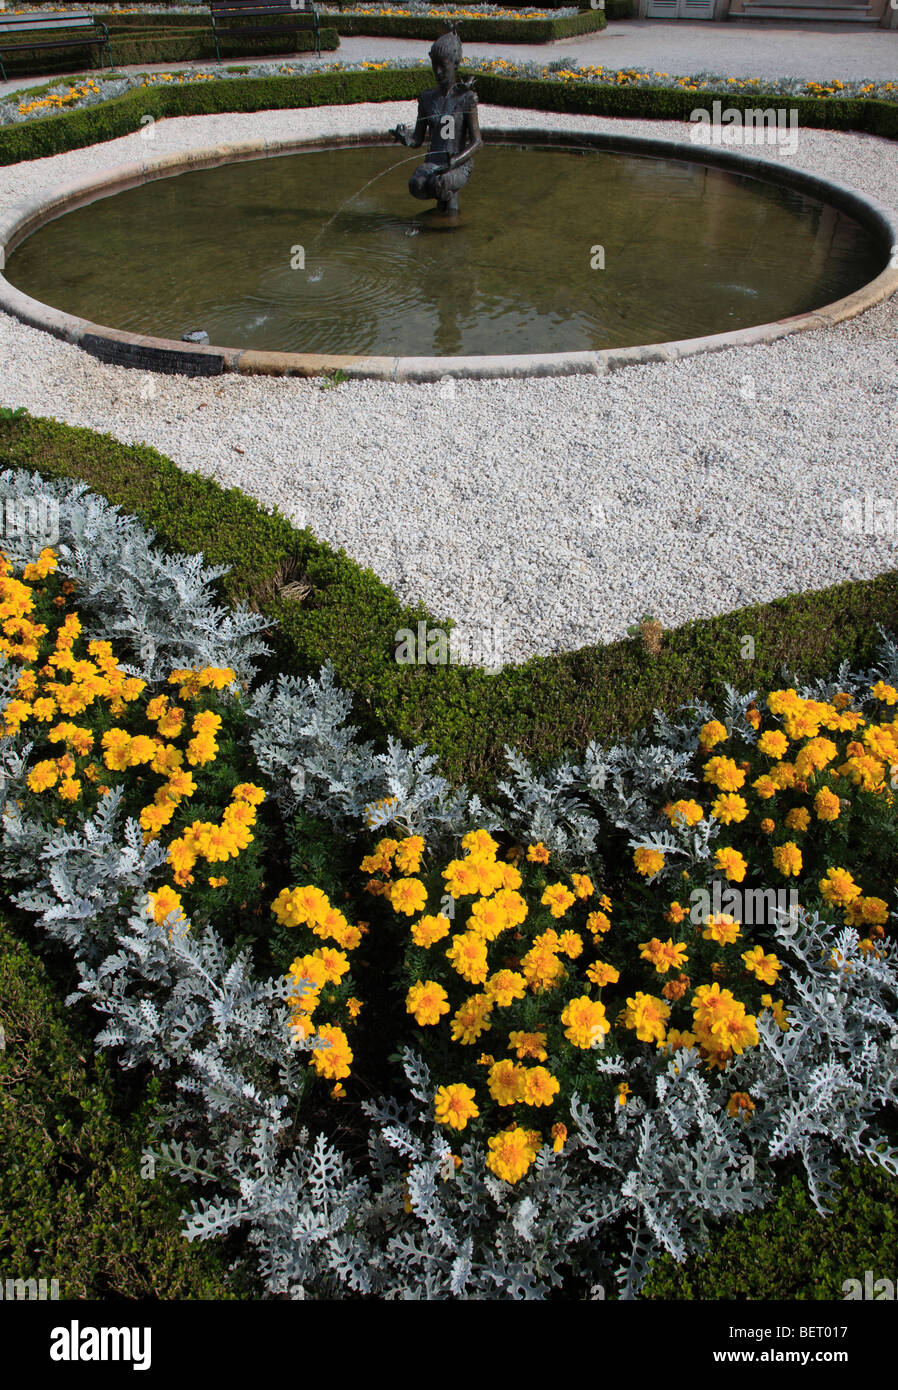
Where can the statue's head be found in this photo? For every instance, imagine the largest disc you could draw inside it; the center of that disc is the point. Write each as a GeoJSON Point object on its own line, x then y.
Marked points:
{"type": "Point", "coordinates": [445, 55]}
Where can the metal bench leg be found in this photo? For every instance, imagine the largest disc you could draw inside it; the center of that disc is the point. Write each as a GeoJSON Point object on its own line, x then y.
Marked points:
{"type": "Point", "coordinates": [2, 68]}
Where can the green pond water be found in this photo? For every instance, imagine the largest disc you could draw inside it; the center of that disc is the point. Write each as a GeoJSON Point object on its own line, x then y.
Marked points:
{"type": "Point", "coordinates": [554, 250]}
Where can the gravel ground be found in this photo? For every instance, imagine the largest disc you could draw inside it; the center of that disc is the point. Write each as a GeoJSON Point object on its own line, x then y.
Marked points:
{"type": "Point", "coordinates": [541, 515]}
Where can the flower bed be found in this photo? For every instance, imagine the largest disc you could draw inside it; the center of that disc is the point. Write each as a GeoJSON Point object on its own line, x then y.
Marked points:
{"type": "Point", "coordinates": [147, 791]}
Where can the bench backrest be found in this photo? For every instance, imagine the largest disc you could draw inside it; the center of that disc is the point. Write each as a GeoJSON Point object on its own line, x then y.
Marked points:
{"type": "Point", "coordinates": [40, 19]}
{"type": "Point", "coordinates": [241, 8]}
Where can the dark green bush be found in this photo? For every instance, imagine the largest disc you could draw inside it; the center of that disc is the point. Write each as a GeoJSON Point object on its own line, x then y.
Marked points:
{"type": "Point", "coordinates": [73, 1204]}
{"type": "Point", "coordinates": [788, 1251]}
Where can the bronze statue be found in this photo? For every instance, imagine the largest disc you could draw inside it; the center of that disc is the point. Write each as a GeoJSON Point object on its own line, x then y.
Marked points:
{"type": "Point", "coordinates": [448, 112]}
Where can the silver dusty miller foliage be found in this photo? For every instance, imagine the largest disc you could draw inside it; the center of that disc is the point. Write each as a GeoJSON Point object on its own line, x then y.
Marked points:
{"type": "Point", "coordinates": [640, 1179]}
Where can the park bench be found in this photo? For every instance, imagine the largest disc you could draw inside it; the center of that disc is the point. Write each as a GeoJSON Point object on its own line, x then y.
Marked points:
{"type": "Point", "coordinates": [241, 19]}
{"type": "Point", "coordinates": [75, 29]}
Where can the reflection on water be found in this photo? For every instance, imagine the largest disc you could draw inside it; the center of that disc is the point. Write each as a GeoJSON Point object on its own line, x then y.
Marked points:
{"type": "Point", "coordinates": [298, 254]}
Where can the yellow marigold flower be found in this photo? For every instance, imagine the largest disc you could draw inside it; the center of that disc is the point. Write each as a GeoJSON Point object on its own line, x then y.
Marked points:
{"type": "Point", "coordinates": [353, 1007]}
{"type": "Point", "coordinates": [678, 1039]}
{"type": "Point", "coordinates": [676, 913]}
{"type": "Point", "coordinates": [605, 903]}
{"type": "Point", "coordinates": [598, 923]}
{"type": "Point", "coordinates": [869, 911]}
{"type": "Point", "coordinates": [839, 888]}
{"type": "Point", "coordinates": [529, 1045]}
{"type": "Point", "coordinates": [307, 974]}
{"type": "Point", "coordinates": [163, 903]}
{"type": "Point", "coordinates": [774, 743]}
{"type": "Point", "coordinates": [601, 974]}
{"type": "Point", "coordinates": [201, 750]}
{"type": "Point", "coordinates": [427, 1001]}
{"type": "Point", "coordinates": [488, 919]}
{"type": "Point", "coordinates": [217, 882]}
{"type": "Point", "coordinates": [887, 693]}
{"type": "Point", "coordinates": [570, 944]}
{"type": "Point", "coordinates": [538, 854]}
{"type": "Point", "coordinates": [407, 895]}
{"type": "Point", "coordinates": [462, 878]}
{"type": "Point", "coordinates": [541, 968]}
{"type": "Point", "coordinates": [248, 791]}
{"type": "Point", "coordinates": [511, 877]}
{"type": "Point", "coordinates": [683, 812]}
{"type": "Point", "coordinates": [814, 756]}
{"type": "Point", "coordinates": [711, 734]}
{"type": "Point", "coordinates": [583, 885]}
{"type": "Point", "coordinates": [768, 826]}
{"type": "Point", "coordinates": [648, 1016]}
{"type": "Point", "coordinates": [293, 907]}
{"type": "Point", "coordinates": [539, 1086]}
{"type": "Point", "coordinates": [765, 786]}
{"type": "Point", "coordinates": [171, 722]}
{"type": "Point", "coordinates": [467, 955]}
{"type": "Point", "coordinates": [753, 716]}
{"type": "Point", "coordinates": [512, 1152]}
{"type": "Point", "coordinates": [675, 989]}
{"type": "Point", "coordinates": [664, 955]}
{"type": "Point", "coordinates": [336, 963]}
{"type": "Point", "coordinates": [740, 1103]}
{"type": "Point", "coordinates": [585, 1021]}
{"type": "Point", "coordinates": [69, 789]}
{"type": "Point", "coordinates": [648, 862]}
{"type": "Point", "coordinates": [409, 853]}
{"type": "Point", "coordinates": [116, 744]}
{"type": "Point", "coordinates": [765, 967]}
{"type": "Point", "coordinates": [730, 863]}
{"type": "Point", "coordinates": [787, 859]}
{"type": "Point", "coordinates": [557, 898]}
{"type": "Point", "coordinates": [506, 1082]}
{"type": "Point", "coordinates": [504, 987]}
{"type": "Point", "coordinates": [471, 1019]}
{"type": "Point", "coordinates": [729, 808]}
{"type": "Point", "coordinates": [509, 901]}
{"type": "Point", "coordinates": [140, 750]}
{"type": "Point", "coordinates": [559, 1137]}
{"type": "Point", "coordinates": [479, 842]}
{"type": "Point", "coordinates": [826, 805]}
{"type": "Point", "coordinates": [454, 1105]}
{"type": "Point", "coordinates": [724, 773]}
{"type": "Point", "coordinates": [430, 929]}
{"type": "Point", "coordinates": [721, 928]}
{"type": "Point", "coordinates": [332, 1061]}
{"type": "Point", "coordinates": [799, 818]}
{"type": "Point", "coordinates": [43, 775]}
{"type": "Point", "coordinates": [623, 1091]}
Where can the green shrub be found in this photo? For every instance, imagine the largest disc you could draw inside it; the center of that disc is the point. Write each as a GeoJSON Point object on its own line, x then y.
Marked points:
{"type": "Point", "coordinates": [73, 1204]}
{"type": "Point", "coordinates": [789, 1251]}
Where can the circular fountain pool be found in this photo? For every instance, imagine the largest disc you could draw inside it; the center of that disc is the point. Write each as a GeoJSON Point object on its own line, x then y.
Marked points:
{"type": "Point", "coordinates": [558, 252]}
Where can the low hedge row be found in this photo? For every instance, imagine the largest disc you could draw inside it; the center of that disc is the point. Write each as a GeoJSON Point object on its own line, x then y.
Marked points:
{"type": "Point", "coordinates": [471, 30]}
{"type": "Point", "coordinates": [122, 115]}
{"type": "Point", "coordinates": [49, 135]}
{"type": "Point", "coordinates": [169, 44]}
{"type": "Point", "coordinates": [351, 618]}
{"type": "Point", "coordinates": [73, 1204]}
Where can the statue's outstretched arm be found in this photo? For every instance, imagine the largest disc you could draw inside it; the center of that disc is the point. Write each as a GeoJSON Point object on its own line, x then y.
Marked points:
{"type": "Point", "coordinates": [417, 137]}
{"type": "Point", "coordinates": [473, 139]}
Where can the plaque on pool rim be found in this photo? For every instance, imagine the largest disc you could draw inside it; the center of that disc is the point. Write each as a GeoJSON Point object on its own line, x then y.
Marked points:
{"type": "Point", "coordinates": [152, 359]}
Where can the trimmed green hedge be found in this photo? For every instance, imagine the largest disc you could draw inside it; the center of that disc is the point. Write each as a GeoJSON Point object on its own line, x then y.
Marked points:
{"type": "Point", "coordinates": [72, 130]}
{"type": "Point", "coordinates": [165, 43]}
{"type": "Point", "coordinates": [73, 1204]}
{"type": "Point", "coordinates": [789, 1251]}
{"type": "Point", "coordinates": [543, 707]}
{"type": "Point", "coordinates": [472, 30]}
{"type": "Point", "coordinates": [48, 135]}
{"type": "Point", "coordinates": [676, 104]}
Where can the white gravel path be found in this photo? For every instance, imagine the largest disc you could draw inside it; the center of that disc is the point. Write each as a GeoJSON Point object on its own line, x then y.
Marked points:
{"type": "Point", "coordinates": [541, 514]}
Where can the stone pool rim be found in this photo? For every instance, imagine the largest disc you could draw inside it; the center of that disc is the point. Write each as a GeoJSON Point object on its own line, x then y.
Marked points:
{"type": "Point", "coordinates": [171, 356]}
